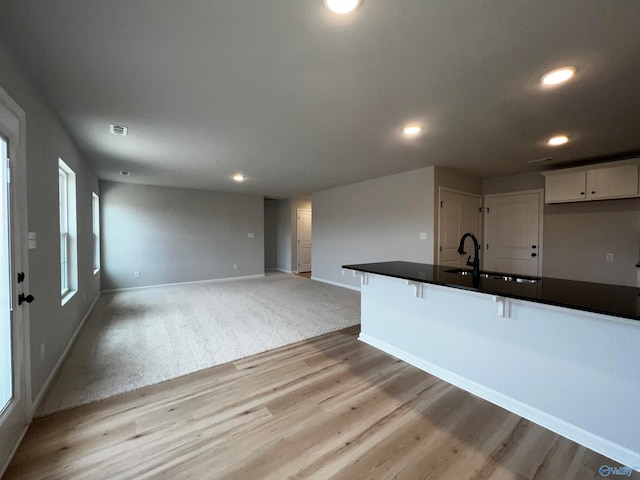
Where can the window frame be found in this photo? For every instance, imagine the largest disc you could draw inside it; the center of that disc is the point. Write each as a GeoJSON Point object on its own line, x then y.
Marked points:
{"type": "Point", "coordinates": [95, 220]}
{"type": "Point", "coordinates": [68, 231]}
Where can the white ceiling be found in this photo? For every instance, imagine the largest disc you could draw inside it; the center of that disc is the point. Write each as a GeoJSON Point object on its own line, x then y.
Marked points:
{"type": "Point", "coordinates": [300, 99]}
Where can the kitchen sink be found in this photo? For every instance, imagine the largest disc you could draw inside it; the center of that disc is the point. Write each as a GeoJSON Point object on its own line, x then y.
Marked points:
{"type": "Point", "coordinates": [505, 277]}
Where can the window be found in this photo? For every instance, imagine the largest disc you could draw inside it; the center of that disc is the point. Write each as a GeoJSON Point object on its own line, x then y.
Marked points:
{"type": "Point", "coordinates": [95, 209]}
{"type": "Point", "coordinates": [68, 250]}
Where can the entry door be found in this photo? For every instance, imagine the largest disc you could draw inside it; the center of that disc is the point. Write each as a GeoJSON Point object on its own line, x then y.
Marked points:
{"type": "Point", "coordinates": [513, 226]}
{"type": "Point", "coordinates": [304, 240]}
{"type": "Point", "coordinates": [459, 214]}
{"type": "Point", "coordinates": [13, 316]}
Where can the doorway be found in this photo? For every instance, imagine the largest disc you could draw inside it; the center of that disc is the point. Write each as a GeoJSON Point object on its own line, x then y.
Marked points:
{"type": "Point", "coordinates": [15, 394]}
{"type": "Point", "coordinates": [513, 232]}
{"type": "Point", "coordinates": [304, 240]}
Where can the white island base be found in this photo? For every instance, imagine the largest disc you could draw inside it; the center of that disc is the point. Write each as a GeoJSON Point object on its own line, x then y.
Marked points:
{"type": "Point", "coordinates": [573, 372]}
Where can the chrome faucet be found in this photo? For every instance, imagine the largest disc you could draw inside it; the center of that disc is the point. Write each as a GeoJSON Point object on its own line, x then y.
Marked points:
{"type": "Point", "coordinates": [476, 252]}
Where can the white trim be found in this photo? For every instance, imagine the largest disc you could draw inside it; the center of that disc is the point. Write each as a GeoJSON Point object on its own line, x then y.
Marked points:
{"type": "Point", "coordinates": [54, 372]}
{"type": "Point", "coordinates": [17, 133]}
{"type": "Point", "coordinates": [561, 427]}
{"type": "Point", "coordinates": [13, 451]}
{"type": "Point", "coordinates": [245, 277]}
{"type": "Point", "coordinates": [337, 284]}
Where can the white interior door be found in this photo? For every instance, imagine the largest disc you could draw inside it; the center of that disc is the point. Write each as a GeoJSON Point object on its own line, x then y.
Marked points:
{"type": "Point", "coordinates": [14, 383]}
{"type": "Point", "coordinates": [513, 233]}
{"type": "Point", "coordinates": [459, 213]}
{"type": "Point", "coordinates": [304, 240]}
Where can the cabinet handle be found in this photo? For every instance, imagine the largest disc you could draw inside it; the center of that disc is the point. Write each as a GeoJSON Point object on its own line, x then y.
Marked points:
{"type": "Point", "coordinates": [534, 255]}
{"type": "Point", "coordinates": [593, 193]}
{"type": "Point", "coordinates": [581, 193]}
{"type": "Point", "coordinates": [533, 246]}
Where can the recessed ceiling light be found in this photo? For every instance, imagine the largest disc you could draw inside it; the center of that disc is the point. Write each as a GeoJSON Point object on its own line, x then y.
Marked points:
{"type": "Point", "coordinates": [124, 173]}
{"type": "Point", "coordinates": [412, 129]}
{"type": "Point", "coordinates": [558, 76]}
{"type": "Point", "coordinates": [557, 140]}
{"type": "Point", "coordinates": [238, 177]}
{"type": "Point", "coordinates": [342, 6]}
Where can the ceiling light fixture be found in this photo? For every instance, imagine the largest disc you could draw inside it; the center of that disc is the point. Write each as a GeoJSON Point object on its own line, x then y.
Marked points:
{"type": "Point", "coordinates": [342, 6]}
{"type": "Point", "coordinates": [118, 129]}
{"type": "Point", "coordinates": [558, 76]}
{"type": "Point", "coordinates": [412, 129]}
{"type": "Point", "coordinates": [238, 177]}
{"type": "Point", "coordinates": [124, 173]}
{"type": "Point", "coordinates": [557, 140]}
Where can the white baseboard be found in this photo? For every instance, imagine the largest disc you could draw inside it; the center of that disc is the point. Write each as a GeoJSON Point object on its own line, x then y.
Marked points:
{"type": "Point", "coordinates": [282, 270]}
{"type": "Point", "coordinates": [337, 284]}
{"type": "Point", "coordinates": [3, 468]}
{"type": "Point", "coordinates": [561, 427]}
{"type": "Point", "coordinates": [36, 403]}
{"type": "Point", "coordinates": [225, 279]}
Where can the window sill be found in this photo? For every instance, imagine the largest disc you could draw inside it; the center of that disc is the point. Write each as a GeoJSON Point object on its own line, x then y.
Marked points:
{"type": "Point", "coordinates": [96, 270]}
{"type": "Point", "coordinates": [67, 296]}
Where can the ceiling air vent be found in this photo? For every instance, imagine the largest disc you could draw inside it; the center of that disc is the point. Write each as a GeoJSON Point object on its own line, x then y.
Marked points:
{"type": "Point", "coordinates": [118, 130]}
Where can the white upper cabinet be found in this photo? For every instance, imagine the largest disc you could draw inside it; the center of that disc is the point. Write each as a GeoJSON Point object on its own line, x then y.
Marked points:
{"type": "Point", "coordinates": [618, 181]}
{"type": "Point", "coordinates": [565, 187]}
{"type": "Point", "coordinates": [592, 182]}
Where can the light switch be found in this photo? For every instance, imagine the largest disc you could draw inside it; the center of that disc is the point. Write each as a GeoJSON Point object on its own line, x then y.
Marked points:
{"type": "Point", "coordinates": [423, 235]}
{"type": "Point", "coordinates": [610, 257]}
{"type": "Point", "coordinates": [32, 240]}
{"type": "Point", "coordinates": [250, 235]}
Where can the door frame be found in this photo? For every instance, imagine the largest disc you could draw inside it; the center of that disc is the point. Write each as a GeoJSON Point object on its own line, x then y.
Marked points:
{"type": "Point", "coordinates": [540, 192]}
{"type": "Point", "coordinates": [480, 220]}
{"type": "Point", "coordinates": [20, 259]}
{"type": "Point", "coordinates": [297, 270]}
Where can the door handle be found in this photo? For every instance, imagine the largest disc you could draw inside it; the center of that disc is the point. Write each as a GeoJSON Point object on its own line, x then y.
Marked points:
{"type": "Point", "coordinates": [534, 254]}
{"type": "Point", "coordinates": [22, 298]}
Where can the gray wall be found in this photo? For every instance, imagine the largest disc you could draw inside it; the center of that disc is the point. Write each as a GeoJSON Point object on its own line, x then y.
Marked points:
{"type": "Point", "coordinates": [373, 221]}
{"type": "Point", "coordinates": [577, 236]}
{"type": "Point", "coordinates": [270, 234]}
{"type": "Point", "coordinates": [173, 235]}
{"type": "Point", "coordinates": [51, 323]}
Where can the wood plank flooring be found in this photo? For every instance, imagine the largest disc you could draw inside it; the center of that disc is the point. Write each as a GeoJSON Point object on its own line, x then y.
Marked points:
{"type": "Point", "coordinates": [327, 408]}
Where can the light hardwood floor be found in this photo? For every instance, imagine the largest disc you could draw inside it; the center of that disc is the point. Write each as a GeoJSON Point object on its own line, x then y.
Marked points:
{"type": "Point", "coordinates": [331, 407]}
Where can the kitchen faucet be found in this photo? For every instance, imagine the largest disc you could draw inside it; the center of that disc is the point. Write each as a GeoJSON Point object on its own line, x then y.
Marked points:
{"type": "Point", "coordinates": [476, 258]}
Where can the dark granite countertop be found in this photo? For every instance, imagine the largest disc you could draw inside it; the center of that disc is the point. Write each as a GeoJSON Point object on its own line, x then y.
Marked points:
{"type": "Point", "coordinates": [616, 300]}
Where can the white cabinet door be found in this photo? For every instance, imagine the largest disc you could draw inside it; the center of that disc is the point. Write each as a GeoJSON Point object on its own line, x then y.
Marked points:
{"type": "Point", "coordinates": [612, 182]}
{"type": "Point", "coordinates": [565, 187]}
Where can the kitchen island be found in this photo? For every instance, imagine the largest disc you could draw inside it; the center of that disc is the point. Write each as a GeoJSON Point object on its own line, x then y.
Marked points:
{"type": "Point", "coordinates": [560, 353]}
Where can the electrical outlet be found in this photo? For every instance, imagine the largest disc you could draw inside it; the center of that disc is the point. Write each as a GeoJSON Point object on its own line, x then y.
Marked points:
{"type": "Point", "coordinates": [136, 274]}
{"type": "Point", "coordinates": [250, 235]}
{"type": "Point", "coordinates": [610, 257]}
{"type": "Point", "coordinates": [235, 266]}
{"type": "Point", "coordinates": [42, 351]}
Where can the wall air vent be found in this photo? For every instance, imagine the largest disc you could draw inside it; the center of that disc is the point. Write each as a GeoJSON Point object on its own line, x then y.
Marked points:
{"type": "Point", "coordinates": [118, 130]}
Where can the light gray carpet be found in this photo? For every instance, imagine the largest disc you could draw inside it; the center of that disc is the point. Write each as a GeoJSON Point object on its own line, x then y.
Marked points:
{"type": "Point", "coordinates": [142, 337]}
